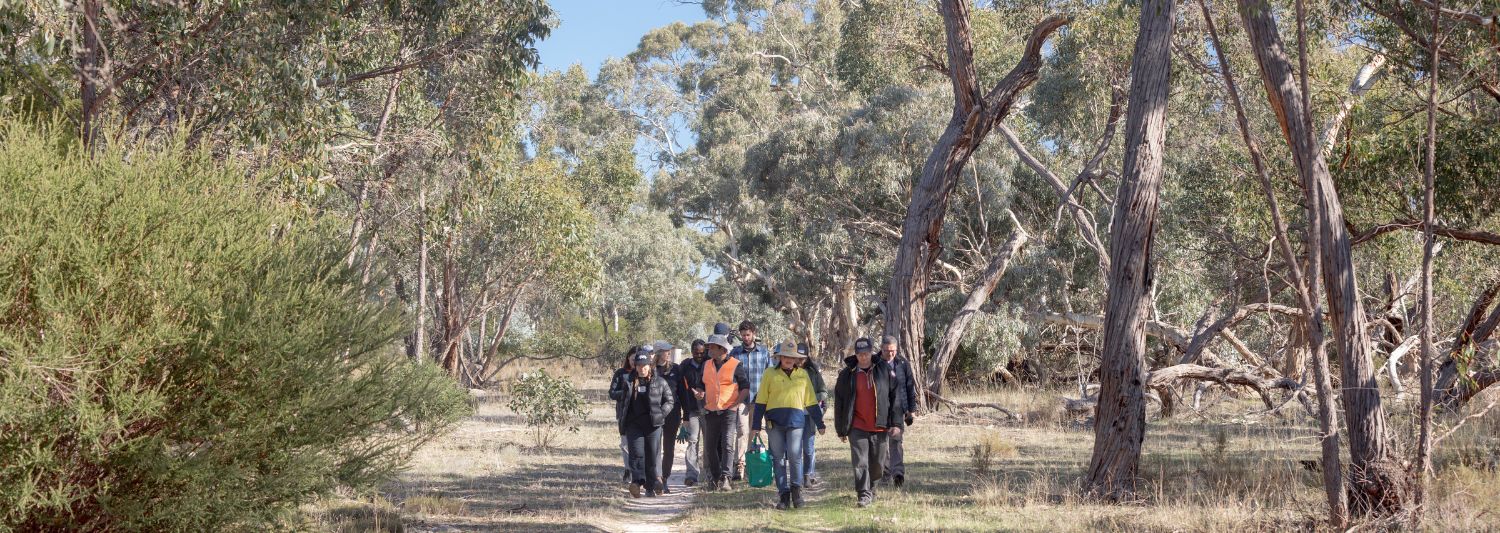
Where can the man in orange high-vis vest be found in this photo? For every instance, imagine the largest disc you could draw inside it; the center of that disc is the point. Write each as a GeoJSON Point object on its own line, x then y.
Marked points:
{"type": "Point", "coordinates": [724, 386]}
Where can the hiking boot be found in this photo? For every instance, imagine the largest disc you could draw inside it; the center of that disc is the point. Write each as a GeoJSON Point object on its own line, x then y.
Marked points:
{"type": "Point", "coordinates": [899, 480]}
{"type": "Point", "coordinates": [812, 481]}
{"type": "Point", "coordinates": [650, 493]}
{"type": "Point", "coordinates": [661, 483]}
{"type": "Point", "coordinates": [635, 490]}
{"type": "Point", "coordinates": [727, 486]}
{"type": "Point", "coordinates": [665, 489]}
{"type": "Point", "coordinates": [797, 500]}
{"type": "Point", "coordinates": [783, 501]}
{"type": "Point", "coordinates": [865, 500]}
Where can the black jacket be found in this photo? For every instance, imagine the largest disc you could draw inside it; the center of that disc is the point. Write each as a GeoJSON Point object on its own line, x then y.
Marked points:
{"type": "Point", "coordinates": [672, 373]}
{"type": "Point", "coordinates": [659, 394]}
{"type": "Point", "coordinates": [905, 383]}
{"type": "Point", "coordinates": [689, 377]}
{"type": "Point", "coordinates": [888, 411]}
{"type": "Point", "coordinates": [619, 384]}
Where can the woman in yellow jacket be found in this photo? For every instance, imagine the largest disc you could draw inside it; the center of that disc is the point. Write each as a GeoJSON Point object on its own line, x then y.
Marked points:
{"type": "Point", "coordinates": [787, 403]}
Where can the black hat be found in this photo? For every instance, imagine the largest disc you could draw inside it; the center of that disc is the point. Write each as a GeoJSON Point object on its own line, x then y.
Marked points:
{"type": "Point", "coordinates": [721, 329]}
{"type": "Point", "coordinates": [802, 348]}
{"type": "Point", "coordinates": [863, 345]}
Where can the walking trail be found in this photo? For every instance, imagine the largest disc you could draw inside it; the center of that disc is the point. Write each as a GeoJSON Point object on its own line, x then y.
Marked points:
{"type": "Point", "coordinates": [653, 515]}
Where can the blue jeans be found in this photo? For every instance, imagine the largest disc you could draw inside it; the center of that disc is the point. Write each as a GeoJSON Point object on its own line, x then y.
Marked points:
{"type": "Point", "coordinates": [809, 452]}
{"type": "Point", "coordinates": [786, 456]}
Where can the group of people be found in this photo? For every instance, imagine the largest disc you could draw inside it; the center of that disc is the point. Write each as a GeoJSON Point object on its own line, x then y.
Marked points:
{"type": "Point", "coordinates": [723, 397]}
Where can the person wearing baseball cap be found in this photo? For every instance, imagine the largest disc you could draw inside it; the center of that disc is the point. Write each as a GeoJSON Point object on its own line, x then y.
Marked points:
{"type": "Point", "coordinates": [724, 387]}
{"type": "Point", "coordinates": [865, 409]}
{"type": "Point", "coordinates": [646, 404]}
{"type": "Point", "coordinates": [788, 405]}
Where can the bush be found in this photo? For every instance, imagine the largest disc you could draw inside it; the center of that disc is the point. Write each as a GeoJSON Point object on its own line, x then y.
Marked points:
{"type": "Point", "coordinates": [177, 355]}
{"type": "Point", "coordinates": [548, 404]}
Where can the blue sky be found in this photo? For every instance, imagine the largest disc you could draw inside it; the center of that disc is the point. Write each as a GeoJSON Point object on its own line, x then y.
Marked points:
{"type": "Point", "coordinates": [591, 31]}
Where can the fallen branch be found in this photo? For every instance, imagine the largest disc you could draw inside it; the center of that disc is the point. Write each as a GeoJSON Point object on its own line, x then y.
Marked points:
{"type": "Point", "coordinates": [973, 405]}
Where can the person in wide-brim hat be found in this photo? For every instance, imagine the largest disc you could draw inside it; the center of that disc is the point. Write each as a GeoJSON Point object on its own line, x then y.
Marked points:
{"type": "Point", "coordinates": [788, 406]}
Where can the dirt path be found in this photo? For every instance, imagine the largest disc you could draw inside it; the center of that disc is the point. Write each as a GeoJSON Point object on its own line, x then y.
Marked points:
{"type": "Point", "coordinates": [653, 515]}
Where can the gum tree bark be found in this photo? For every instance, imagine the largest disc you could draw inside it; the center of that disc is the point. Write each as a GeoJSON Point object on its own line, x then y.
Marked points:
{"type": "Point", "coordinates": [975, 114]}
{"type": "Point", "coordinates": [1308, 333]}
{"type": "Point", "coordinates": [1120, 416]}
{"type": "Point", "coordinates": [1375, 481]}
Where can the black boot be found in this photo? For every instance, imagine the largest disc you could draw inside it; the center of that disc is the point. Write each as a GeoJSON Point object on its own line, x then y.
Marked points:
{"type": "Point", "coordinates": [783, 501]}
{"type": "Point", "coordinates": [797, 501]}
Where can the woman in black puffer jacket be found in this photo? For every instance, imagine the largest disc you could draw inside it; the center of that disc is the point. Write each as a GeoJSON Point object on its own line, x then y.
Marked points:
{"type": "Point", "coordinates": [642, 407]}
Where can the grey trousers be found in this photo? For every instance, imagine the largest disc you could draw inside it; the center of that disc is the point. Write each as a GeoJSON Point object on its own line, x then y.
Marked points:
{"type": "Point", "coordinates": [895, 456]}
{"type": "Point", "coordinates": [691, 451]}
{"type": "Point", "coordinates": [625, 455]}
{"type": "Point", "coordinates": [867, 453]}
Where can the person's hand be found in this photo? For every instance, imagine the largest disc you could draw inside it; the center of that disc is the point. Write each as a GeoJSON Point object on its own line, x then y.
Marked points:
{"type": "Point", "coordinates": [822, 431]}
{"type": "Point", "coordinates": [844, 439]}
{"type": "Point", "coordinates": [910, 419]}
{"type": "Point", "coordinates": [698, 394]}
{"type": "Point", "coordinates": [896, 432]}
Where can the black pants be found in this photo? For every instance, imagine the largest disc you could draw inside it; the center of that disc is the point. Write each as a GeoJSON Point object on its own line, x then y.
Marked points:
{"type": "Point", "coordinates": [718, 443]}
{"type": "Point", "coordinates": [669, 444]}
{"type": "Point", "coordinates": [645, 445]}
{"type": "Point", "coordinates": [867, 452]}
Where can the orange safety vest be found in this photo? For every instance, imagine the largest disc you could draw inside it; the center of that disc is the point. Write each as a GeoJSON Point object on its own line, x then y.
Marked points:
{"type": "Point", "coordinates": [720, 392]}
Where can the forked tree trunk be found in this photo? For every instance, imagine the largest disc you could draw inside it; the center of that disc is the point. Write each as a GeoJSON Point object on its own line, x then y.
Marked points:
{"type": "Point", "coordinates": [974, 115]}
{"type": "Point", "coordinates": [1120, 416]}
{"type": "Point", "coordinates": [1376, 482]}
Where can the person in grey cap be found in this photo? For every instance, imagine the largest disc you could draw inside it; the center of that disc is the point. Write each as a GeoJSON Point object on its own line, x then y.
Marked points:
{"type": "Point", "coordinates": [670, 371]}
{"type": "Point", "coordinates": [723, 387]}
{"type": "Point", "coordinates": [865, 411]}
{"type": "Point", "coordinates": [645, 402]}
{"type": "Point", "coordinates": [906, 392]}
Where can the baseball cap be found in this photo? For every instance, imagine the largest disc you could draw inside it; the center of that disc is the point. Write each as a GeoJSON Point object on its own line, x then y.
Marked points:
{"type": "Point", "coordinates": [864, 345]}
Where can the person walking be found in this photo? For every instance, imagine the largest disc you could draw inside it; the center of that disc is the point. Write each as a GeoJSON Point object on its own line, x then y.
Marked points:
{"type": "Point", "coordinates": [906, 391]}
{"type": "Point", "coordinates": [670, 371]}
{"type": "Point", "coordinates": [690, 371]}
{"type": "Point", "coordinates": [619, 384]}
{"type": "Point", "coordinates": [646, 403]}
{"type": "Point", "coordinates": [809, 438]}
{"type": "Point", "coordinates": [865, 409]}
{"type": "Point", "coordinates": [724, 388]}
{"type": "Point", "coordinates": [787, 406]}
{"type": "Point", "coordinates": [756, 359]}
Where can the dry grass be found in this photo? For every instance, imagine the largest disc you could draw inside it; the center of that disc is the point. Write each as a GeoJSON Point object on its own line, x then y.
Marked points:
{"type": "Point", "coordinates": [971, 471]}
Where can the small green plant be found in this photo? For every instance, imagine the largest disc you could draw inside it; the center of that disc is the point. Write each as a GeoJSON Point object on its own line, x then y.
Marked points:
{"type": "Point", "coordinates": [548, 403]}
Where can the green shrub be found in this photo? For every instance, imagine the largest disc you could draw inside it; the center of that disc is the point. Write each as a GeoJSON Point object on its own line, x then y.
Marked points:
{"type": "Point", "coordinates": [177, 354]}
{"type": "Point", "coordinates": [548, 404]}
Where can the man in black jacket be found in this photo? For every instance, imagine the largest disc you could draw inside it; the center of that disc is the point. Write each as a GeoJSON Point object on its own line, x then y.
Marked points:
{"type": "Point", "coordinates": [906, 391]}
{"type": "Point", "coordinates": [690, 376]}
{"type": "Point", "coordinates": [866, 408]}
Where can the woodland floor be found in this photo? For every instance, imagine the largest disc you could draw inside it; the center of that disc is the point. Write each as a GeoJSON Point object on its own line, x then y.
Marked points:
{"type": "Point", "coordinates": [1226, 468]}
